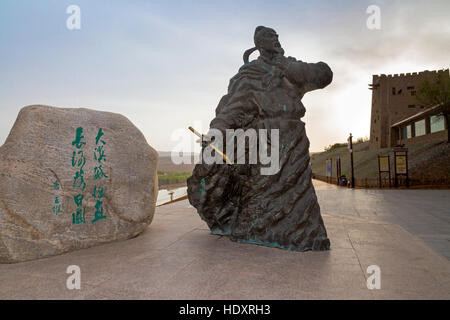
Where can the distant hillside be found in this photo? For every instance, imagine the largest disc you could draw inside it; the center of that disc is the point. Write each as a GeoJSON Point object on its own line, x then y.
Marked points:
{"type": "Point", "coordinates": [169, 153]}
{"type": "Point", "coordinates": [166, 164]}
{"type": "Point", "coordinates": [172, 175]}
{"type": "Point", "coordinates": [429, 164]}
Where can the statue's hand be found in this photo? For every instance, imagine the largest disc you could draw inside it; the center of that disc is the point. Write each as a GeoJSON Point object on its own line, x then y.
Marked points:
{"type": "Point", "coordinates": [206, 139]}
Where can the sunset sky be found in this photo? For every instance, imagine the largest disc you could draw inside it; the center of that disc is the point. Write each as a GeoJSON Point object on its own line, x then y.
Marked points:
{"type": "Point", "coordinates": [166, 64]}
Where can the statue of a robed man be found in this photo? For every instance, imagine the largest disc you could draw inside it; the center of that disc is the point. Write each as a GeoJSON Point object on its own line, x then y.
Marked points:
{"type": "Point", "coordinates": [278, 209]}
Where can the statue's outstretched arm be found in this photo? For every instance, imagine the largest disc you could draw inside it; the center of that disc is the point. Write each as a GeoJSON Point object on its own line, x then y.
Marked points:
{"type": "Point", "coordinates": [309, 76]}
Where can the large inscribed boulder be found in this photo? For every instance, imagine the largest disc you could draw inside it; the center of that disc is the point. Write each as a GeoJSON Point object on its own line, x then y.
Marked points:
{"type": "Point", "coordinates": [71, 179]}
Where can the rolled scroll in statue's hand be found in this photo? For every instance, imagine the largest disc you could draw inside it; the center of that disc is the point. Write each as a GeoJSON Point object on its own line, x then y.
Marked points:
{"type": "Point", "coordinates": [207, 140]}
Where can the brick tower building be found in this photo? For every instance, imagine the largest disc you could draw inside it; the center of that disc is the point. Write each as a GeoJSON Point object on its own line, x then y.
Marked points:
{"type": "Point", "coordinates": [397, 117]}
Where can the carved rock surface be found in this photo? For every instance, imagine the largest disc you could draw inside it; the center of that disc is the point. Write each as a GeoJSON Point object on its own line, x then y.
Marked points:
{"type": "Point", "coordinates": [72, 179]}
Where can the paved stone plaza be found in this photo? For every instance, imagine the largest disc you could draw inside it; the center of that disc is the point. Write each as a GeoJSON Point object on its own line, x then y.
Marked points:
{"type": "Point", "coordinates": [423, 213]}
{"type": "Point", "coordinates": [177, 258]}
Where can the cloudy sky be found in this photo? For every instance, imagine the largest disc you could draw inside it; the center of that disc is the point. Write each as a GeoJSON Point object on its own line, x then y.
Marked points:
{"type": "Point", "coordinates": [166, 64]}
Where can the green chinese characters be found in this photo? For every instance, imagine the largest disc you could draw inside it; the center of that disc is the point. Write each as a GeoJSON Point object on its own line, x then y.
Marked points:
{"type": "Point", "coordinates": [78, 162]}
{"type": "Point", "coordinates": [56, 209]}
{"type": "Point", "coordinates": [99, 175]}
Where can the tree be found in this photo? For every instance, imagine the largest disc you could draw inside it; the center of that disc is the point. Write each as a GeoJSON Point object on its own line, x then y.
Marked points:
{"type": "Point", "coordinates": [437, 93]}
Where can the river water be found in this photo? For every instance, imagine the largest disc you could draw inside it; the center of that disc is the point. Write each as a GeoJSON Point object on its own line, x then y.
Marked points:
{"type": "Point", "coordinates": [164, 195]}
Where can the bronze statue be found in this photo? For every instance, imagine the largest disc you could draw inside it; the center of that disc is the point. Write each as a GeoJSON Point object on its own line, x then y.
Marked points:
{"type": "Point", "coordinates": [279, 209]}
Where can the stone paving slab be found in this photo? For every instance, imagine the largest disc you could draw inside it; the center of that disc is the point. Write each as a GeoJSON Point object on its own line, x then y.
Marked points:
{"type": "Point", "coordinates": [423, 213]}
{"type": "Point", "coordinates": [177, 258]}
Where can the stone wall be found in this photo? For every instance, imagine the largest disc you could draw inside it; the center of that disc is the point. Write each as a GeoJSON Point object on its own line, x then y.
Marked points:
{"type": "Point", "coordinates": [427, 138]}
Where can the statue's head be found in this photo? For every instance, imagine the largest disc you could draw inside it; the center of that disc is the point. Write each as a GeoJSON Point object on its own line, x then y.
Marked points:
{"type": "Point", "coordinates": [266, 40]}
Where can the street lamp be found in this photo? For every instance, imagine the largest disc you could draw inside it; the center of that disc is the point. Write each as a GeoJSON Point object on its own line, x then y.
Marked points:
{"type": "Point", "coordinates": [350, 147]}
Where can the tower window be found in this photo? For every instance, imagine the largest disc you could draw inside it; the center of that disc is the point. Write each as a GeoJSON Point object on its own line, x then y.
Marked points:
{"type": "Point", "coordinates": [437, 123]}
{"type": "Point", "coordinates": [420, 127]}
{"type": "Point", "coordinates": [405, 132]}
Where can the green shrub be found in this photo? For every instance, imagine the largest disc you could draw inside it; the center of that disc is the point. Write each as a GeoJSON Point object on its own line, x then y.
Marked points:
{"type": "Point", "coordinates": [172, 177]}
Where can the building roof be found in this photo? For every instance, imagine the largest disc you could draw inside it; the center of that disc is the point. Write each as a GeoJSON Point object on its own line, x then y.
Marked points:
{"type": "Point", "coordinates": [417, 115]}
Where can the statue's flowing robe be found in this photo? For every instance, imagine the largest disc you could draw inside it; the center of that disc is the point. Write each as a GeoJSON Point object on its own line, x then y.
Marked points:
{"type": "Point", "coordinates": [279, 210]}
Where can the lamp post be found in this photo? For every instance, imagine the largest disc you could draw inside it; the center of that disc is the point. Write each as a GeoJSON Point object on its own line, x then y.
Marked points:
{"type": "Point", "coordinates": [350, 147]}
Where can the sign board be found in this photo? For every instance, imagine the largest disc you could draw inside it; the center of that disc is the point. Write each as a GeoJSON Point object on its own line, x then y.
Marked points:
{"type": "Point", "coordinates": [329, 163]}
{"type": "Point", "coordinates": [400, 163]}
{"type": "Point", "coordinates": [384, 166]}
{"type": "Point", "coordinates": [384, 163]}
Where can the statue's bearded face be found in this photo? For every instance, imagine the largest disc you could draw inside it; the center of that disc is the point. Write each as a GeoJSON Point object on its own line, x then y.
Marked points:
{"type": "Point", "coordinates": [268, 41]}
